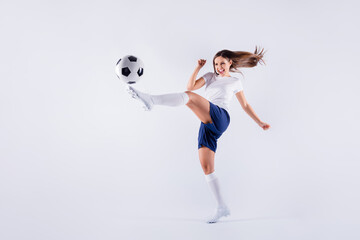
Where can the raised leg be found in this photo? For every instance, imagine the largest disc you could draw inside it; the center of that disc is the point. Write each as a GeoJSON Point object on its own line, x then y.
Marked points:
{"type": "Point", "coordinates": [200, 106]}
{"type": "Point", "coordinates": [149, 100]}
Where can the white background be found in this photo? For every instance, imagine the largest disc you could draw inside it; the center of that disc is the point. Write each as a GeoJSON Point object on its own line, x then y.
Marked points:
{"type": "Point", "coordinates": [80, 159]}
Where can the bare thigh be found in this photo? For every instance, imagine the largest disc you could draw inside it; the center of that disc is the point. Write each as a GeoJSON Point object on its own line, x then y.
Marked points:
{"type": "Point", "coordinates": [207, 160]}
{"type": "Point", "coordinates": [200, 106]}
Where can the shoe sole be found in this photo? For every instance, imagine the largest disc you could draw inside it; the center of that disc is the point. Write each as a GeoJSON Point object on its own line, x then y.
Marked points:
{"type": "Point", "coordinates": [225, 215]}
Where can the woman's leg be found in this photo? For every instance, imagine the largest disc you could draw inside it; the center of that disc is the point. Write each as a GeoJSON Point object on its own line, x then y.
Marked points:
{"type": "Point", "coordinates": [207, 160]}
{"type": "Point", "coordinates": [207, 157]}
{"type": "Point", "coordinates": [149, 100]}
{"type": "Point", "coordinates": [199, 105]}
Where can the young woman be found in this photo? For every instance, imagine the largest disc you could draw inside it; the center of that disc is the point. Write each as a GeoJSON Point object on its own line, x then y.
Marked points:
{"type": "Point", "coordinates": [211, 110]}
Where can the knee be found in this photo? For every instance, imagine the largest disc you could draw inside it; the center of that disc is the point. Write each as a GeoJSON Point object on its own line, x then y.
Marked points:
{"type": "Point", "coordinates": [207, 169]}
{"type": "Point", "coordinates": [190, 94]}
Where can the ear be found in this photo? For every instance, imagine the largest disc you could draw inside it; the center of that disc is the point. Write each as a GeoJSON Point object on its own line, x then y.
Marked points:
{"type": "Point", "coordinates": [231, 62]}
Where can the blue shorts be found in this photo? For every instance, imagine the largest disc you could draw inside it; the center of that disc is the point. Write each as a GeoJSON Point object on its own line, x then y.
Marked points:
{"type": "Point", "coordinates": [209, 133]}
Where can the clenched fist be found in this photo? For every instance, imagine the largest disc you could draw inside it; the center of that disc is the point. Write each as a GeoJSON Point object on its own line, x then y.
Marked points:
{"type": "Point", "coordinates": [201, 63]}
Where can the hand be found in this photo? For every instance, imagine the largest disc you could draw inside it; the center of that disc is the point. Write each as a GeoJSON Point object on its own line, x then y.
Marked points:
{"type": "Point", "coordinates": [264, 126]}
{"type": "Point", "coordinates": [201, 63]}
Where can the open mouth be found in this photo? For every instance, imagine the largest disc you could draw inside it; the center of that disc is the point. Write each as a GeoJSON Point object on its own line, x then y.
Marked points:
{"type": "Point", "coordinates": [221, 71]}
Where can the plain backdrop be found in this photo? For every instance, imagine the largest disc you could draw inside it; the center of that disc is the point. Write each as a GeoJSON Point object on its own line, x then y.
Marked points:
{"type": "Point", "coordinates": [80, 159]}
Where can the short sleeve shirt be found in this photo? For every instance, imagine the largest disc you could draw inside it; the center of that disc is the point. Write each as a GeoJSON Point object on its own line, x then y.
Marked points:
{"type": "Point", "coordinates": [220, 90]}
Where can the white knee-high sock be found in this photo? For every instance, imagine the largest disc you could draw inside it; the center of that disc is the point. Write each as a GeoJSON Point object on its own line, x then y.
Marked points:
{"type": "Point", "coordinates": [171, 99]}
{"type": "Point", "coordinates": [214, 185]}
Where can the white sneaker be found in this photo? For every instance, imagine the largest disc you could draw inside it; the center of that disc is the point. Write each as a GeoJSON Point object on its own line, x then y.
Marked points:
{"type": "Point", "coordinates": [220, 212]}
{"type": "Point", "coordinates": [143, 97]}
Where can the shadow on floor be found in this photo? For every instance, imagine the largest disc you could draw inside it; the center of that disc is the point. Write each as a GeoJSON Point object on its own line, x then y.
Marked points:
{"type": "Point", "coordinates": [223, 220]}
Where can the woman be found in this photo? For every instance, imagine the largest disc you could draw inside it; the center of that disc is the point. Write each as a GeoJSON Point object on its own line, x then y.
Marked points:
{"type": "Point", "coordinates": [211, 110]}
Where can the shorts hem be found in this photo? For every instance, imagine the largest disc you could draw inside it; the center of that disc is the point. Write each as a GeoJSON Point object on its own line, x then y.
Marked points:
{"type": "Point", "coordinates": [205, 145]}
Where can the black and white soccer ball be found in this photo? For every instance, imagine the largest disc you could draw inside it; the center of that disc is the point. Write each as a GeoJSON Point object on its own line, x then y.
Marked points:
{"type": "Point", "coordinates": [130, 69]}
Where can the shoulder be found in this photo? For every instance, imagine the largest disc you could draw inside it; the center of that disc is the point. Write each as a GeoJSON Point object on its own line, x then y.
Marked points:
{"type": "Point", "coordinates": [235, 77]}
{"type": "Point", "coordinates": [237, 85]}
{"type": "Point", "coordinates": [208, 76]}
{"type": "Point", "coordinates": [234, 80]}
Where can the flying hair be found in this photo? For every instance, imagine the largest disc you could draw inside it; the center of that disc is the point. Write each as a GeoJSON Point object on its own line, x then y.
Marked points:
{"type": "Point", "coordinates": [241, 59]}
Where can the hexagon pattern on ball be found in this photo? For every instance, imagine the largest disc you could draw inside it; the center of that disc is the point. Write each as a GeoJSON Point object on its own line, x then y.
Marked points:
{"type": "Point", "coordinates": [130, 69]}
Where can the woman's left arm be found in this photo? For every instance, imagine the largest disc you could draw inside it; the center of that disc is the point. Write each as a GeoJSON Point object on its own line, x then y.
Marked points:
{"type": "Point", "coordinates": [248, 109]}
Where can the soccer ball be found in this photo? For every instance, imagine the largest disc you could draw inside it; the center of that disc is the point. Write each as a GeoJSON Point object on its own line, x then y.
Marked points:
{"type": "Point", "coordinates": [129, 69]}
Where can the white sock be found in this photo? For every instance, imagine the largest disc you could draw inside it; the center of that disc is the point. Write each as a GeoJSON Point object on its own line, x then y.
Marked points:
{"type": "Point", "coordinates": [213, 183]}
{"type": "Point", "coordinates": [171, 99]}
{"type": "Point", "coordinates": [222, 210]}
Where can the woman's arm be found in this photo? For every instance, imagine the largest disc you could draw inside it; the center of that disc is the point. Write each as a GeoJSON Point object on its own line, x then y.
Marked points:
{"type": "Point", "coordinates": [248, 109]}
{"type": "Point", "coordinates": [194, 84]}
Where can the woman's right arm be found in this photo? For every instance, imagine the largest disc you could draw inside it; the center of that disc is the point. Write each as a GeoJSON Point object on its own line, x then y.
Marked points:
{"type": "Point", "coordinates": [194, 84]}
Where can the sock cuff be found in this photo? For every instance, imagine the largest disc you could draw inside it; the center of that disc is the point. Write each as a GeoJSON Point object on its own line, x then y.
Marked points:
{"type": "Point", "coordinates": [210, 177]}
{"type": "Point", "coordinates": [185, 97]}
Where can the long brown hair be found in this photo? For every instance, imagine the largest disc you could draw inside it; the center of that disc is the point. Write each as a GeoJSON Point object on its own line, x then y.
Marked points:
{"type": "Point", "coordinates": [241, 59]}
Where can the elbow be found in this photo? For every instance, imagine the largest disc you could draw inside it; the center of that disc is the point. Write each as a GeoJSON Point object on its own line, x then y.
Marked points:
{"type": "Point", "coordinates": [245, 106]}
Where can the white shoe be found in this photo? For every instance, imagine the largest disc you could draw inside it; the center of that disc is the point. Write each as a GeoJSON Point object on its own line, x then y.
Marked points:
{"type": "Point", "coordinates": [220, 212]}
{"type": "Point", "coordinates": [143, 97]}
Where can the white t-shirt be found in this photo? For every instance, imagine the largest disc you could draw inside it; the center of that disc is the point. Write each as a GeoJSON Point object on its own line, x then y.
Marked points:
{"type": "Point", "coordinates": [220, 90]}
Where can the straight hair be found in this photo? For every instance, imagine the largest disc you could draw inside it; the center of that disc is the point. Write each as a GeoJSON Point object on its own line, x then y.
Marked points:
{"type": "Point", "coordinates": [241, 59]}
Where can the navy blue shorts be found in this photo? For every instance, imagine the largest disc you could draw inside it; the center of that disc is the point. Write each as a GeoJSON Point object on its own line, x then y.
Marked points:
{"type": "Point", "coordinates": [209, 133]}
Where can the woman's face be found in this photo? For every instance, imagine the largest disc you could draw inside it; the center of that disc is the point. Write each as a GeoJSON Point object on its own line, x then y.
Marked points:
{"type": "Point", "coordinates": [222, 66]}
